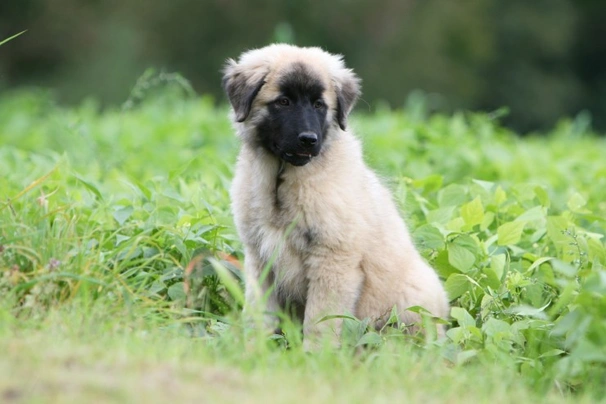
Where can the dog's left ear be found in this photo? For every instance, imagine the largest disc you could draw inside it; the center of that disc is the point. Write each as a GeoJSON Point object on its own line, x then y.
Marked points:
{"type": "Point", "coordinates": [348, 92]}
{"type": "Point", "coordinates": [242, 86]}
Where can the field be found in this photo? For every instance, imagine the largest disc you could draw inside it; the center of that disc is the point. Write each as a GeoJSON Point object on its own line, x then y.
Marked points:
{"type": "Point", "coordinates": [120, 266]}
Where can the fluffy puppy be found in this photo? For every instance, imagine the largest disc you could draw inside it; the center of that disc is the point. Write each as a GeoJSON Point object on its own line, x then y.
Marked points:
{"type": "Point", "coordinates": [322, 235]}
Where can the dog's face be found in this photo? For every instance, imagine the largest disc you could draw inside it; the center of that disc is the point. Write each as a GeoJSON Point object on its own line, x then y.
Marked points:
{"type": "Point", "coordinates": [295, 125]}
{"type": "Point", "coordinates": [287, 98]}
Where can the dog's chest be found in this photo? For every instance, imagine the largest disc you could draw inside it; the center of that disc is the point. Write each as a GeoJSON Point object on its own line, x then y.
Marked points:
{"type": "Point", "coordinates": [283, 234]}
{"type": "Point", "coordinates": [286, 248]}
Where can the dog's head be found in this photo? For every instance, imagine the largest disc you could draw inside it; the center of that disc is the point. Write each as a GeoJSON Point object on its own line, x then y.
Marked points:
{"type": "Point", "coordinates": [289, 98]}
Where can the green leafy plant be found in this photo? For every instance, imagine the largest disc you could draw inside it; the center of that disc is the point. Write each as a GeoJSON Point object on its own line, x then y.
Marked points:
{"type": "Point", "coordinates": [128, 210]}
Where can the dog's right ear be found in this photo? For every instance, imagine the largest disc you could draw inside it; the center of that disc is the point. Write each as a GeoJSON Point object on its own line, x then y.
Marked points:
{"type": "Point", "coordinates": [242, 86]}
{"type": "Point", "coordinates": [348, 92]}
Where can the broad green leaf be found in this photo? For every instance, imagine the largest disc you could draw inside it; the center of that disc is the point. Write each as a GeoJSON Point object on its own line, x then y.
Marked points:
{"type": "Point", "coordinates": [460, 257]}
{"type": "Point", "coordinates": [486, 186]}
{"type": "Point", "coordinates": [430, 183]}
{"type": "Point", "coordinates": [455, 225]}
{"type": "Point", "coordinates": [487, 222]}
{"type": "Point", "coordinates": [587, 351]}
{"type": "Point", "coordinates": [525, 310]}
{"type": "Point", "coordinates": [563, 268]}
{"type": "Point", "coordinates": [497, 264]}
{"type": "Point", "coordinates": [354, 330]}
{"type": "Point", "coordinates": [542, 196]}
{"type": "Point", "coordinates": [510, 233]}
{"type": "Point", "coordinates": [596, 282]}
{"type": "Point", "coordinates": [120, 238]}
{"type": "Point", "coordinates": [176, 292]}
{"type": "Point", "coordinates": [456, 334]}
{"type": "Point", "coordinates": [499, 196]}
{"type": "Point", "coordinates": [473, 212]}
{"type": "Point", "coordinates": [452, 195]}
{"type": "Point", "coordinates": [559, 229]}
{"type": "Point", "coordinates": [157, 287]}
{"type": "Point", "coordinates": [185, 220]}
{"type": "Point", "coordinates": [491, 278]}
{"type": "Point", "coordinates": [576, 202]}
{"type": "Point", "coordinates": [572, 325]}
{"type": "Point", "coordinates": [143, 189]}
{"type": "Point", "coordinates": [538, 263]}
{"type": "Point", "coordinates": [597, 252]}
{"type": "Point", "coordinates": [122, 214]}
{"type": "Point", "coordinates": [466, 356]}
{"type": "Point", "coordinates": [442, 265]}
{"type": "Point", "coordinates": [556, 225]}
{"type": "Point", "coordinates": [493, 326]}
{"type": "Point", "coordinates": [456, 285]}
{"type": "Point", "coordinates": [462, 316]}
{"type": "Point", "coordinates": [427, 236]}
{"type": "Point", "coordinates": [370, 338]}
{"type": "Point", "coordinates": [538, 213]}
{"type": "Point", "coordinates": [441, 215]}
{"type": "Point", "coordinates": [523, 192]}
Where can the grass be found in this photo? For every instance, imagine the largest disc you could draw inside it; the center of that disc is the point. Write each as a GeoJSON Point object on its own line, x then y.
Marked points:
{"type": "Point", "coordinates": [119, 262]}
{"type": "Point", "coordinates": [76, 355]}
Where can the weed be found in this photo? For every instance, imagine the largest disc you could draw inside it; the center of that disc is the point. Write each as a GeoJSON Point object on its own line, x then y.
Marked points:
{"type": "Point", "coordinates": [115, 225]}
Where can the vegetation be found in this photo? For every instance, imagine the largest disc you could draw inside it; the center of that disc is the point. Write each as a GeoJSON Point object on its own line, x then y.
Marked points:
{"type": "Point", "coordinates": [541, 58]}
{"type": "Point", "coordinates": [120, 266]}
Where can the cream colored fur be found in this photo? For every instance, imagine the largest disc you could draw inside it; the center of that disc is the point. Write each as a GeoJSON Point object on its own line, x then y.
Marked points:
{"type": "Point", "coordinates": [348, 250]}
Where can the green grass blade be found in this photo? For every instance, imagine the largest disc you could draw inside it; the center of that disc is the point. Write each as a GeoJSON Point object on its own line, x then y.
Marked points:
{"type": "Point", "coordinates": [12, 37]}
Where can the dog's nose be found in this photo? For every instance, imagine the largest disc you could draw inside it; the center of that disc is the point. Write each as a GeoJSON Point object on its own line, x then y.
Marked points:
{"type": "Point", "coordinates": [308, 138]}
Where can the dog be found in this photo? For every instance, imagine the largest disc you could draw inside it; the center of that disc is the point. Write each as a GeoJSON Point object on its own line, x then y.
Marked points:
{"type": "Point", "coordinates": [322, 236]}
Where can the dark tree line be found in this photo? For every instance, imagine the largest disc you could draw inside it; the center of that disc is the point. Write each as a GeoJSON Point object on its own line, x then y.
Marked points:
{"type": "Point", "coordinates": [543, 58]}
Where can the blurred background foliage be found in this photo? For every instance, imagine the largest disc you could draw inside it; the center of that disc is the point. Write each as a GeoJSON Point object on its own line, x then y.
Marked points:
{"type": "Point", "coordinates": [543, 59]}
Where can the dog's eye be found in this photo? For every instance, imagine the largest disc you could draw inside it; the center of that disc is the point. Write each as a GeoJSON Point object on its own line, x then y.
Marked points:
{"type": "Point", "coordinates": [318, 104]}
{"type": "Point", "coordinates": [283, 101]}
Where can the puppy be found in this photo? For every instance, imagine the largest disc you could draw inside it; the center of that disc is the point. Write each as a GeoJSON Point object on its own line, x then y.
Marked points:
{"type": "Point", "coordinates": [322, 236]}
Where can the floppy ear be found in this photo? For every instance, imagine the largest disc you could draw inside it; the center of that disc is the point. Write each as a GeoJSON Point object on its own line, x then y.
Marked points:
{"type": "Point", "coordinates": [242, 86]}
{"type": "Point", "coordinates": [348, 91]}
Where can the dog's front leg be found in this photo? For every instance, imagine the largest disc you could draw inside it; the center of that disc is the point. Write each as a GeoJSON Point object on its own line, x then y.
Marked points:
{"type": "Point", "coordinates": [260, 298]}
{"type": "Point", "coordinates": [334, 288]}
